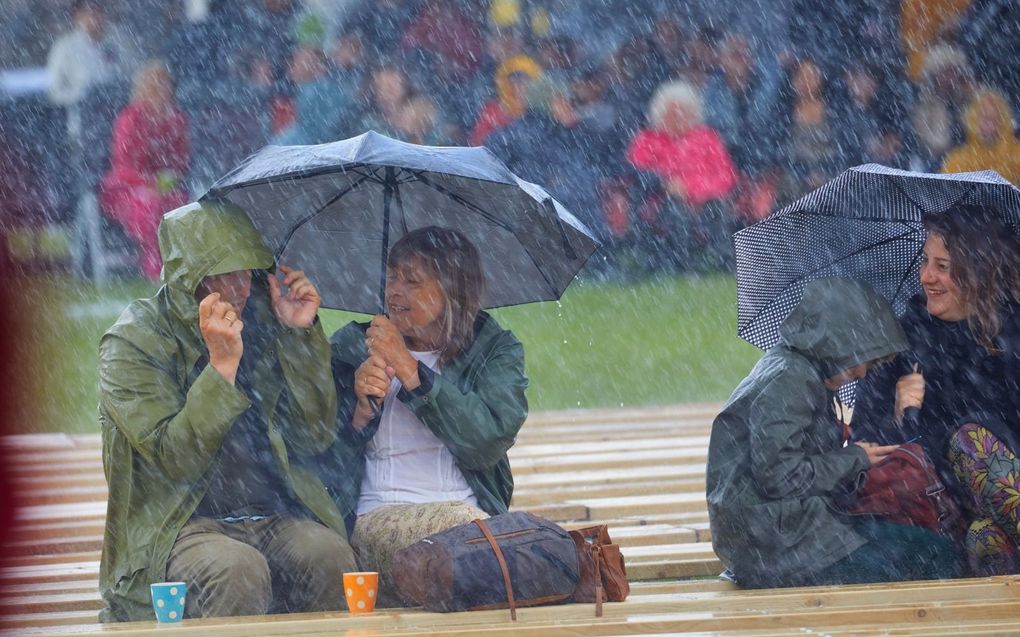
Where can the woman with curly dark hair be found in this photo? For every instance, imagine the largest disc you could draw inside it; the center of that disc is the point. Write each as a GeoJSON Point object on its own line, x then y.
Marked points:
{"type": "Point", "coordinates": [963, 375]}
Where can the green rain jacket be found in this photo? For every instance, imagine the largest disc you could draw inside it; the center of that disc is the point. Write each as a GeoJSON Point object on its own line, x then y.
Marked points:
{"type": "Point", "coordinates": [776, 456]}
{"type": "Point", "coordinates": [164, 411]}
{"type": "Point", "coordinates": [475, 406]}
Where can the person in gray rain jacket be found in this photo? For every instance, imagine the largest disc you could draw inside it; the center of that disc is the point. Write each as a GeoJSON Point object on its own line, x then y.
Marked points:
{"type": "Point", "coordinates": [776, 458]}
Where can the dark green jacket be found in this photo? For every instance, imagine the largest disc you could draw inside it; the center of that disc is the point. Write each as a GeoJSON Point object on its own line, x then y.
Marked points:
{"type": "Point", "coordinates": [164, 411]}
{"type": "Point", "coordinates": [776, 458]}
{"type": "Point", "coordinates": [475, 406]}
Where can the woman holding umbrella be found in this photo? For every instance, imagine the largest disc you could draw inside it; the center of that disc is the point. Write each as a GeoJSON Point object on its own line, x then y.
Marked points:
{"type": "Point", "coordinates": [451, 384]}
{"type": "Point", "coordinates": [961, 377]}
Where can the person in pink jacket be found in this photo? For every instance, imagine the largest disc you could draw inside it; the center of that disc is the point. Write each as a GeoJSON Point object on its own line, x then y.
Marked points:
{"type": "Point", "coordinates": [695, 171]}
{"type": "Point", "coordinates": [686, 153]}
{"type": "Point", "coordinates": [149, 157]}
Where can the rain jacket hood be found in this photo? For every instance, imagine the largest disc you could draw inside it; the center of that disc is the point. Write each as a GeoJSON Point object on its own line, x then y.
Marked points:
{"type": "Point", "coordinates": [203, 239]}
{"type": "Point", "coordinates": [776, 456]}
{"type": "Point", "coordinates": [512, 102]}
{"type": "Point", "coordinates": [840, 324]}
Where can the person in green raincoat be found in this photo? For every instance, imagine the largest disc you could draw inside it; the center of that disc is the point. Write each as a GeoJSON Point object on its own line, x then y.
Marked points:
{"type": "Point", "coordinates": [776, 457]}
{"type": "Point", "coordinates": [451, 383]}
{"type": "Point", "coordinates": [215, 396]}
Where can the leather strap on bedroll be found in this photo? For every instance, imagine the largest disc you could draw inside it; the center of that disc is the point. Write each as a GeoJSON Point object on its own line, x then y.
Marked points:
{"type": "Point", "coordinates": [502, 566]}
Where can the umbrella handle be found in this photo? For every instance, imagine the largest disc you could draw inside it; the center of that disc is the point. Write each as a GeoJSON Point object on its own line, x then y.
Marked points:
{"type": "Point", "coordinates": [911, 419]}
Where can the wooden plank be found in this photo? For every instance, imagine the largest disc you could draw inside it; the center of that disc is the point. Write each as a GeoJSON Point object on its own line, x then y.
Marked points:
{"type": "Point", "coordinates": [67, 468]}
{"type": "Point", "coordinates": [645, 614]}
{"type": "Point", "coordinates": [94, 479]}
{"type": "Point", "coordinates": [50, 573]}
{"type": "Point", "coordinates": [602, 508]}
{"type": "Point", "coordinates": [524, 498]}
{"type": "Point", "coordinates": [49, 512]}
{"type": "Point", "coordinates": [31, 561]}
{"type": "Point", "coordinates": [625, 414]}
{"type": "Point", "coordinates": [608, 459]}
{"type": "Point", "coordinates": [18, 442]}
{"type": "Point", "coordinates": [633, 473]}
{"type": "Point", "coordinates": [53, 546]}
{"type": "Point", "coordinates": [61, 495]}
{"type": "Point", "coordinates": [624, 446]}
{"type": "Point", "coordinates": [24, 531]}
{"type": "Point", "coordinates": [55, 603]}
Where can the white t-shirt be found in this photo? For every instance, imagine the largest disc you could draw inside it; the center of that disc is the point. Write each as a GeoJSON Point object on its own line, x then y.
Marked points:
{"type": "Point", "coordinates": [405, 463]}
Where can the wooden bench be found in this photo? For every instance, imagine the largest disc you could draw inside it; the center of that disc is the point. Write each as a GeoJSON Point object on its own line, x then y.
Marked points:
{"type": "Point", "coordinates": [640, 470]}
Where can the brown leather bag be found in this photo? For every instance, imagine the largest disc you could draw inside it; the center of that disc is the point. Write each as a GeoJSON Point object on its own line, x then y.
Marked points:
{"type": "Point", "coordinates": [905, 488]}
{"type": "Point", "coordinates": [603, 574]}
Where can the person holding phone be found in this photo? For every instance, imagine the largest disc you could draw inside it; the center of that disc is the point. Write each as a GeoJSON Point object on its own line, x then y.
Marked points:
{"type": "Point", "coordinates": [958, 385]}
{"type": "Point", "coordinates": [777, 460]}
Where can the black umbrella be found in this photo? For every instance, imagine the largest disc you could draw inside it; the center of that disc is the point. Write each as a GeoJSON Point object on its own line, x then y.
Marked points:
{"type": "Point", "coordinates": [866, 225]}
{"type": "Point", "coordinates": [336, 209]}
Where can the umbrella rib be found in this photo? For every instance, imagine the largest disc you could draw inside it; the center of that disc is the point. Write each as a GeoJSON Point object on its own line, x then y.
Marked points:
{"type": "Point", "coordinates": [966, 194]}
{"type": "Point", "coordinates": [318, 210]}
{"type": "Point", "coordinates": [907, 195]}
{"type": "Point", "coordinates": [273, 179]}
{"type": "Point", "coordinates": [834, 215]}
{"type": "Point", "coordinates": [906, 273]}
{"type": "Point", "coordinates": [470, 206]}
{"type": "Point", "coordinates": [461, 200]}
{"type": "Point", "coordinates": [803, 276]}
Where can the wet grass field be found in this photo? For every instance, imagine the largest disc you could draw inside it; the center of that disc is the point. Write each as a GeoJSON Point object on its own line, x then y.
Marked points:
{"type": "Point", "coordinates": [661, 341]}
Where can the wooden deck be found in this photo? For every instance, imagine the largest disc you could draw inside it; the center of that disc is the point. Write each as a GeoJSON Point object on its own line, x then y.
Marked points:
{"type": "Point", "coordinates": [640, 470]}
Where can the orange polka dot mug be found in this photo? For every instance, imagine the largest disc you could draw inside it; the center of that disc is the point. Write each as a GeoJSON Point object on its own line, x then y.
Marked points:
{"type": "Point", "coordinates": [360, 591]}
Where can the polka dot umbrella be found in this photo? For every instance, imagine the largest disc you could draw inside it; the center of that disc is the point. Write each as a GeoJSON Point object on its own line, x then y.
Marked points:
{"type": "Point", "coordinates": [864, 224]}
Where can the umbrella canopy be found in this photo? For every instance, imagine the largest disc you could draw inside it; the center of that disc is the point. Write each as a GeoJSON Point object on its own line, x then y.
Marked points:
{"type": "Point", "coordinates": [336, 209]}
{"type": "Point", "coordinates": [865, 224]}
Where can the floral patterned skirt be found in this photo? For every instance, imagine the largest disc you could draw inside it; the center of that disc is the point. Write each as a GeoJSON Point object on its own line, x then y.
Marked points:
{"type": "Point", "coordinates": [990, 471]}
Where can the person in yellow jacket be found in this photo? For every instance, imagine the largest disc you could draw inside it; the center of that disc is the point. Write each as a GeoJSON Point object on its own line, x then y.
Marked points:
{"type": "Point", "coordinates": [991, 143]}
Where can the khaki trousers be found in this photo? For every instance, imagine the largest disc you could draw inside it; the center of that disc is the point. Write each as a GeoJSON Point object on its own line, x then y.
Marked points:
{"type": "Point", "coordinates": [275, 565]}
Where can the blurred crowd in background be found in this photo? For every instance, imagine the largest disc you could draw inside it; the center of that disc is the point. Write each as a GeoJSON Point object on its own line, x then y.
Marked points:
{"type": "Point", "coordinates": [663, 125]}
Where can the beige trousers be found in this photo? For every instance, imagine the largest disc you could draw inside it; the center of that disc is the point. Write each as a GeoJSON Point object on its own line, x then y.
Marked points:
{"type": "Point", "coordinates": [381, 533]}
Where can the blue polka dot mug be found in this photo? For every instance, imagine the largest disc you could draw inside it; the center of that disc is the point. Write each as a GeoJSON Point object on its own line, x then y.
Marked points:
{"type": "Point", "coordinates": [168, 601]}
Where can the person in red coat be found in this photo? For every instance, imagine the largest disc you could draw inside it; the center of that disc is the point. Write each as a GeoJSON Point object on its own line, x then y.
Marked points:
{"type": "Point", "coordinates": [696, 173]}
{"type": "Point", "coordinates": [149, 158]}
{"type": "Point", "coordinates": [688, 155]}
